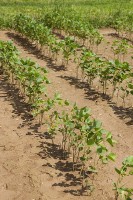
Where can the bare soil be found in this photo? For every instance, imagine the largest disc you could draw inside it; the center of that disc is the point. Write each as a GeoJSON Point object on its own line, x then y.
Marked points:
{"type": "Point", "coordinates": [31, 167]}
{"type": "Point", "coordinates": [104, 49]}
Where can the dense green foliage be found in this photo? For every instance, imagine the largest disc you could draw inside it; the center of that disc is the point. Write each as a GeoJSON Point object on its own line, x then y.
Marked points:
{"type": "Point", "coordinates": [125, 171]}
{"type": "Point", "coordinates": [89, 10]}
{"type": "Point", "coordinates": [113, 73]}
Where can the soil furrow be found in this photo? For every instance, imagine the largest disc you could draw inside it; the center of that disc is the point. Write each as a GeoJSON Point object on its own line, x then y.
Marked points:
{"type": "Point", "coordinates": [27, 170]}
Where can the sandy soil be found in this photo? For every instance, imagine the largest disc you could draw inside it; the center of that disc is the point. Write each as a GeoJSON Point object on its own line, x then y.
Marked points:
{"type": "Point", "coordinates": [30, 167]}
{"type": "Point", "coordinates": [104, 49]}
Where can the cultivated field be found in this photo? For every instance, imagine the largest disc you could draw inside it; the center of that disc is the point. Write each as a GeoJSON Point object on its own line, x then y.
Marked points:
{"type": "Point", "coordinates": [66, 97]}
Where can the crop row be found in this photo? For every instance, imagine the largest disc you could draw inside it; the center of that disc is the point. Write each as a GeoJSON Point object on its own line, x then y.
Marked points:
{"type": "Point", "coordinates": [112, 73]}
{"type": "Point", "coordinates": [82, 136]}
{"type": "Point", "coordinates": [25, 73]}
{"type": "Point", "coordinates": [71, 22]}
{"type": "Point", "coordinates": [81, 25]}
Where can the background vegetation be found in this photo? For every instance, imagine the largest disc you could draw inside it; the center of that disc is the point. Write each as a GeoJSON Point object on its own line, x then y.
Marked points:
{"type": "Point", "coordinates": [99, 12]}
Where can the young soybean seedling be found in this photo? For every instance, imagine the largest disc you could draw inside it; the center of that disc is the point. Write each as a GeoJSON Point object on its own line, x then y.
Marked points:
{"type": "Point", "coordinates": [120, 48]}
{"type": "Point", "coordinates": [121, 190]}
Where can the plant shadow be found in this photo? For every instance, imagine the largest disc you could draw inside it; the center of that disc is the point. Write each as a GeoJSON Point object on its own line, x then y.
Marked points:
{"type": "Point", "coordinates": [72, 180]}
{"type": "Point", "coordinates": [93, 95]}
{"type": "Point", "coordinates": [32, 49]}
{"type": "Point", "coordinates": [116, 35]}
{"type": "Point", "coordinates": [20, 106]}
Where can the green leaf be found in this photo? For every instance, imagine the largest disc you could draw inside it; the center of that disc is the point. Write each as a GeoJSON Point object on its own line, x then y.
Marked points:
{"type": "Point", "coordinates": [105, 160]}
{"type": "Point", "coordinates": [128, 161]}
{"type": "Point", "coordinates": [82, 158]}
{"type": "Point", "coordinates": [92, 169]}
{"type": "Point", "coordinates": [118, 171]}
{"type": "Point", "coordinates": [66, 102]}
{"type": "Point", "coordinates": [130, 86]}
{"type": "Point", "coordinates": [98, 124]}
{"type": "Point", "coordinates": [112, 156]}
{"type": "Point", "coordinates": [131, 92]}
{"type": "Point", "coordinates": [101, 150]}
{"type": "Point", "coordinates": [131, 172]}
{"type": "Point", "coordinates": [90, 142]}
{"type": "Point", "coordinates": [110, 140]}
{"type": "Point", "coordinates": [109, 135]}
{"type": "Point", "coordinates": [48, 82]}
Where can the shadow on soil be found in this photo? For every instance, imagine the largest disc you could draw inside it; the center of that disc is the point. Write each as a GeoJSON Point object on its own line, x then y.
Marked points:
{"type": "Point", "coordinates": [32, 49]}
{"type": "Point", "coordinates": [91, 94]}
{"type": "Point", "coordinates": [21, 108]}
{"type": "Point", "coordinates": [116, 35]}
{"type": "Point", "coordinates": [47, 149]}
{"type": "Point", "coordinates": [72, 181]}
